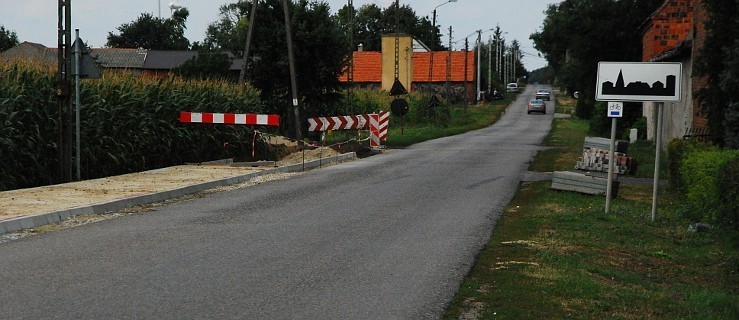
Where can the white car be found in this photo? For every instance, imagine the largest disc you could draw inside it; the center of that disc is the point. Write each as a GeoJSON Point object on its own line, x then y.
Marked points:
{"type": "Point", "coordinates": [512, 87]}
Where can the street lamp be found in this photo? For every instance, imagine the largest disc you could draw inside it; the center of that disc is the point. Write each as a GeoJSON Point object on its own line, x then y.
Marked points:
{"type": "Point", "coordinates": [433, 41]}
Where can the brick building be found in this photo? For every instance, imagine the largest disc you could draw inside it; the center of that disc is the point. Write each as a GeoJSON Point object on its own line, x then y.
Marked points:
{"type": "Point", "coordinates": [674, 33]}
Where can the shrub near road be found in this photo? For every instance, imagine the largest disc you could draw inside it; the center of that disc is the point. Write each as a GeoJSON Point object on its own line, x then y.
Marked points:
{"type": "Point", "coordinates": [556, 255]}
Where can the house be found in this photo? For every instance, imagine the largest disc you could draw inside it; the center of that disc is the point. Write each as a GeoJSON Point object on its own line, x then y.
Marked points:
{"type": "Point", "coordinates": [30, 51]}
{"type": "Point", "coordinates": [377, 69]}
{"type": "Point", "coordinates": [150, 63]}
{"type": "Point", "coordinates": [675, 33]}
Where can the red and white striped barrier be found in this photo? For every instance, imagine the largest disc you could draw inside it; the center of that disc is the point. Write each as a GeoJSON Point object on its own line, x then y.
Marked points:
{"type": "Point", "coordinates": [383, 123]}
{"type": "Point", "coordinates": [377, 123]}
{"type": "Point", "coordinates": [338, 123]}
{"type": "Point", "coordinates": [230, 118]}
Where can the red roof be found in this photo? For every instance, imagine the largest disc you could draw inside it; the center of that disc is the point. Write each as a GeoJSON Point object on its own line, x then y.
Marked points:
{"type": "Point", "coordinates": [368, 66]}
{"type": "Point", "coordinates": [421, 61]}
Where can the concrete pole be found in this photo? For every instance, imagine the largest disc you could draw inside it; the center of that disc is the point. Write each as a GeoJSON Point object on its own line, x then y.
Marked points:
{"type": "Point", "coordinates": [77, 52]}
{"type": "Point", "coordinates": [479, 47]}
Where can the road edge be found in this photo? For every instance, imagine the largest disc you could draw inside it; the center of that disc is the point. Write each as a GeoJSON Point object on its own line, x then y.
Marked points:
{"type": "Point", "coordinates": [34, 221]}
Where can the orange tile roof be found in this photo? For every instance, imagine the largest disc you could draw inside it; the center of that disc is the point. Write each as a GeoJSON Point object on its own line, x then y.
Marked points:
{"type": "Point", "coordinates": [421, 62]}
{"type": "Point", "coordinates": [367, 67]}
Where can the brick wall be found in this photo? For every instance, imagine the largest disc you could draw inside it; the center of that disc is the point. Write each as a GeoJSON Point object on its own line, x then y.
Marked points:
{"type": "Point", "coordinates": [699, 35]}
{"type": "Point", "coordinates": [668, 26]}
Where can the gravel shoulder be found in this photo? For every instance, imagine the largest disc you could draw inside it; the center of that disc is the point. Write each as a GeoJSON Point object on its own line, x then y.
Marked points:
{"type": "Point", "coordinates": [34, 201]}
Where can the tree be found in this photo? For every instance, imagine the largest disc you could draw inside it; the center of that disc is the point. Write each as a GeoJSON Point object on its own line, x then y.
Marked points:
{"type": "Point", "coordinates": [321, 52]}
{"type": "Point", "coordinates": [229, 32]}
{"type": "Point", "coordinates": [371, 22]}
{"type": "Point", "coordinates": [577, 34]}
{"type": "Point", "coordinates": [153, 33]}
{"type": "Point", "coordinates": [8, 39]}
{"type": "Point", "coordinates": [718, 61]}
{"type": "Point", "coordinates": [208, 64]}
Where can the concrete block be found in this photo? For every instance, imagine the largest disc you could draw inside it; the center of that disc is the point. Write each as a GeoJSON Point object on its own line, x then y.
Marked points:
{"type": "Point", "coordinates": [578, 182]}
{"type": "Point", "coordinates": [605, 144]}
{"type": "Point", "coordinates": [254, 164]}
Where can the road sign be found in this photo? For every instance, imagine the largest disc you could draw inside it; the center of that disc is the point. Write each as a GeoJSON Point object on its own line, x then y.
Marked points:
{"type": "Point", "coordinates": [615, 109]}
{"type": "Point", "coordinates": [88, 67]}
{"type": "Point", "coordinates": [639, 81]}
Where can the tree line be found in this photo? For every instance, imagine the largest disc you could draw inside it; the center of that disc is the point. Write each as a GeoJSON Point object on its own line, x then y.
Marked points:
{"type": "Point", "coordinates": [577, 34]}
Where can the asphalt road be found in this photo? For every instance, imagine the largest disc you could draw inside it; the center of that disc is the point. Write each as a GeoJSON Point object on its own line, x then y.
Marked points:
{"type": "Point", "coordinates": [386, 237]}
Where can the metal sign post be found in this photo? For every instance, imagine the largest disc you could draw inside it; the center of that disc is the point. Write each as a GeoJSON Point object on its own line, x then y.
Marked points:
{"type": "Point", "coordinates": [658, 137]}
{"type": "Point", "coordinates": [640, 82]}
{"type": "Point", "coordinates": [615, 110]}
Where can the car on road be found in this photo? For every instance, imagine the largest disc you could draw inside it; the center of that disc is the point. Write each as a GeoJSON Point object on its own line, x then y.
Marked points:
{"type": "Point", "coordinates": [512, 87]}
{"type": "Point", "coordinates": [537, 105]}
{"type": "Point", "coordinates": [544, 94]}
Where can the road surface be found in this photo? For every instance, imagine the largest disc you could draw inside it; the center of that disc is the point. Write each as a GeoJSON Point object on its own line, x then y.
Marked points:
{"type": "Point", "coordinates": [386, 237]}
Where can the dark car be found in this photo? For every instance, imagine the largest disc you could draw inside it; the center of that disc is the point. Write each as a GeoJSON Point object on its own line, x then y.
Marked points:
{"type": "Point", "coordinates": [537, 105]}
{"type": "Point", "coordinates": [543, 94]}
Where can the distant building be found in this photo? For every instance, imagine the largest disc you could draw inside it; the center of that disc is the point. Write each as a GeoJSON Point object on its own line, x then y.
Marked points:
{"type": "Point", "coordinates": [149, 63]}
{"type": "Point", "coordinates": [377, 69]}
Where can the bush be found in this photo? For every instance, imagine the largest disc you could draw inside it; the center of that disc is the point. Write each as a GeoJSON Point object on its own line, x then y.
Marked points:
{"type": "Point", "coordinates": [710, 184]}
{"type": "Point", "coordinates": [728, 182]}
{"type": "Point", "coordinates": [641, 128]}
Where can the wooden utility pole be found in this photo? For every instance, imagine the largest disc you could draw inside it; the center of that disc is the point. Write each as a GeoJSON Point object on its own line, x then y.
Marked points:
{"type": "Point", "coordinates": [245, 62]}
{"type": "Point", "coordinates": [290, 57]}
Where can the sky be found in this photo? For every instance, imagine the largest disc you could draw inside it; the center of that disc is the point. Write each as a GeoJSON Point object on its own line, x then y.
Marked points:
{"type": "Point", "coordinates": [36, 20]}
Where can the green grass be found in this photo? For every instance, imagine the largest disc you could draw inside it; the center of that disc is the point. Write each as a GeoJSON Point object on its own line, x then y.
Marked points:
{"type": "Point", "coordinates": [556, 254]}
{"type": "Point", "coordinates": [476, 117]}
{"type": "Point", "coordinates": [406, 134]}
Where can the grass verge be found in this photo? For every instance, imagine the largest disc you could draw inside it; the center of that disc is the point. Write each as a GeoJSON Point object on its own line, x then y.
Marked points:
{"type": "Point", "coordinates": [476, 117]}
{"type": "Point", "coordinates": [556, 254]}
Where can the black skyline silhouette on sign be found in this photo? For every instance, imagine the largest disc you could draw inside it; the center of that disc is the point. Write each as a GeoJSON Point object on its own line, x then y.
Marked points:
{"type": "Point", "coordinates": [639, 88]}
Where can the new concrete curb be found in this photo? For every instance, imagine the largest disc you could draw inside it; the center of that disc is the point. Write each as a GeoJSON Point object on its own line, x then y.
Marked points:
{"type": "Point", "coordinates": [18, 224]}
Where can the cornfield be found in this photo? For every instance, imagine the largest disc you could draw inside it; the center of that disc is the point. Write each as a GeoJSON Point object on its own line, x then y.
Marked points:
{"type": "Point", "coordinates": [128, 124]}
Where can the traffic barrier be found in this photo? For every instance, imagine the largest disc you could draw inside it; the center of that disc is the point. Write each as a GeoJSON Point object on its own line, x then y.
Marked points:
{"type": "Point", "coordinates": [377, 122]}
{"type": "Point", "coordinates": [230, 118]}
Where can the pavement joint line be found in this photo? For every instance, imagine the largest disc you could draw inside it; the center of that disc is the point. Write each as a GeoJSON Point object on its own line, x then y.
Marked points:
{"type": "Point", "coordinates": [34, 221]}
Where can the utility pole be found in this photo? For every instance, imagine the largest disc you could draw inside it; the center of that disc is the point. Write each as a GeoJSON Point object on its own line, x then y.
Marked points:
{"type": "Point", "coordinates": [479, 51]}
{"type": "Point", "coordinates": [63, 90]}
{"type": "Point", "coordinates": [291, 60]}
{"type": "Point", "coordinates": [490, 65]}
{"type": "Point", "coordinates": [245, 62]}
{"type": "Point", "coordinates": [449, 68]}
{"type": "Point", "coordinates": [466, 57]}
{"type": "Point", "coordinates": [433, 42]}
{"type": "Point", "coordinates": [350, 6]}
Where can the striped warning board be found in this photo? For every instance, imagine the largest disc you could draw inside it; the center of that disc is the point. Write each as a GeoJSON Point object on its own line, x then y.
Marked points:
{"type": "Point", "coordinates": [230, 118]}
{"type": "Point", "coordinates": [383, 122]}
{"type": "Point", "coordinates": [338, 123]}
{"type": "Point", "coordinates": [377, 123]}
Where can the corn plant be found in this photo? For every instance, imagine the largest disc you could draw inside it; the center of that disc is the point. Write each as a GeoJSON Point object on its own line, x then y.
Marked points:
{"type": "Point", "coordinates": [128, 123]}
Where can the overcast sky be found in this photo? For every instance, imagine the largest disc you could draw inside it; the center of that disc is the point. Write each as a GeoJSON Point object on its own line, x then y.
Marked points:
{"type": "Point", "coordinates": [36, 20]}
